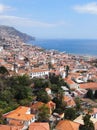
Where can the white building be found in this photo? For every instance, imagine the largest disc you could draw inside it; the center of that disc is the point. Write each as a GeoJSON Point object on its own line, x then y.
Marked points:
{"type": "Point", "coordinates": [39, 73]}
{"type": "Point", "coordinates": [22, 114]}
{"type": "Point", "coordinates": [1, 48]}
{"type": "Point", "coordinates": [94, 113]}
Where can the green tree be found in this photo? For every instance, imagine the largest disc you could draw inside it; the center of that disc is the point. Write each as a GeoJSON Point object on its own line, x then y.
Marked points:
{"type": "Point", "coordinates": [67, 70]}
{"type": "Point", "coordinates": [2, 84]}
{"type": "Point", "coordinates": [43, 114]}
{"type": "Point", "coordinates": [95, 95]}
{"type": "Point", "coordinates": [43, 96]}
{"type": "Point", "coordinates": [90, 94]}
{"type": "Point", "coordinates": [6, 95]}
{"type": "Point", "coordinates": [23, 80]}
{"type": "Point", "coordinates": [55, 88]}
{"type": "Point", "coordinates": [21, 92]}
{"type": "Point", "coordinates": [37, 82]}
{"type": "Point", "coordinates": [20, 87]}
{"type": "Point", "coordinates": [78, 104]}
{"type": "Point", "coordinates": [88, 124]}
{"type": "Point", "coordinates": [60, 105]}
{"type": "Point", "coordinates": [2, 121]}
{"type": "Point", "coordinates": [50, 66]}
{"type": "Point", "coordinates": [14, 91]}
{"type": "Point", "coordinates": [3, 70]}
{"type": "Point", "coordinates": [70, 113]}
{"type": "Point", "coordinates": [57, 79]}
{"type": "Point", "coordinates": [53, 78]}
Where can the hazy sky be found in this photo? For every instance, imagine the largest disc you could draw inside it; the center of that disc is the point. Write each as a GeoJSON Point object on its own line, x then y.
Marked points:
{"type": "Point", "coordinates": [51, 18]}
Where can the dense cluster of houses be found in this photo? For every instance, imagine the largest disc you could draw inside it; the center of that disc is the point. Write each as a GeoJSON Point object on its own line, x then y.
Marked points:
{"type": "Point", "coordinates": [24, 118]}
{"type": "Point", "coordinates": [34, 61]}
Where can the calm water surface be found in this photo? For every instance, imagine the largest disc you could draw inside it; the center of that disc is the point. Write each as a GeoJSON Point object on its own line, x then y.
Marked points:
{"type": "Point", "coordinates": [82, 47]}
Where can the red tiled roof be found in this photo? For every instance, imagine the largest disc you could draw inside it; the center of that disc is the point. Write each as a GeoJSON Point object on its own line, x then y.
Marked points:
{"type": "Point", "coordinates": [37, 105]}
{"type": "Point", "coordinates": [7, 127]}
{"type": "Point", "coordinates": [51, 104]}
{"type": "Point", "coordinates": [89, 85]}
{"type": "Point", "coordinates": [16, 123]}
{"type": "Point", "coordinates": [39, 126]}
{"type": "Point", "coordinates": [67, 125]}
{"type": "Point", "coordinates": [69, 101]}
{"type": "Point", "coordinates": [69, 80]}
{"type": "Point", "coordinates": [19, 114]}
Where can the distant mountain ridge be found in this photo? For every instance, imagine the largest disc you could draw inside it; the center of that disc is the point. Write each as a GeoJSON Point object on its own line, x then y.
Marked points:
{"type": "Point", "coordinates": [10, 33]}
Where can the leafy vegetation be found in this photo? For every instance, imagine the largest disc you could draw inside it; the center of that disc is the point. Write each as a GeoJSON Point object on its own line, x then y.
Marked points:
{"type": "Point", "coordinates": [88, 124]}
{"type": "Point", "coordinates": [90, 94]}
{"type": "Point", "coordinates": [14, 91]}
{"type": "Point", "coordinates": [67, 70]}
{"type": "Point", "coordinates": [21, 90]}
{"type": "Point", "coordinates": [70, 114]}
{"type": "Point", "coordinates": [43, 114]}
{"type": "Point", "coordinates": [3, 70]}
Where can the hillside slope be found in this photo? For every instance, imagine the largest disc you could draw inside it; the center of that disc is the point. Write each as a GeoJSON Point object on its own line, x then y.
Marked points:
{"type": "Point", "coordinates": [10, 33]}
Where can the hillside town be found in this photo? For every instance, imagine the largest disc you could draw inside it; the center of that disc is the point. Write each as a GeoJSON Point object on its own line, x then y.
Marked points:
{"type": "Point", "coordinates": [77, 72]}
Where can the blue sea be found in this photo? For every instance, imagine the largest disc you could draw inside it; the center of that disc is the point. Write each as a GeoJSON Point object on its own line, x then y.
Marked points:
{"type": "Point", "coordinates": [71, 46]}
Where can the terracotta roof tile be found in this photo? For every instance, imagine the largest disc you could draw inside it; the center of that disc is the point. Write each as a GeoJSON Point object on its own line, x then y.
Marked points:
{"type": "Point", "coordinates": [16, 123]}
{"type": "Point", "coordinates": [7, 127]}
{"type": "Point", "coordinates": [67, 125]}
{"type": "Point", "coordinates": [39, 126]}
{"type": "Point", "coordinates": [19, 114]}
{"type": "Point", "coordinates": [89, 85]}
{"type": "Point", "coordinates": [37, 105]}
{"type": "Point", "coordinates": [69, 101]}
{"type": "Point", "coordinates": [69, 80]}
{"type": "Point", "coordinates": [51, 104]}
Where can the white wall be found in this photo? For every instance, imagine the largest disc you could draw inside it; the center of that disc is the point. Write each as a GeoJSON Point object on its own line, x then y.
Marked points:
{"type": "Point", "coordinates": [39, 74]}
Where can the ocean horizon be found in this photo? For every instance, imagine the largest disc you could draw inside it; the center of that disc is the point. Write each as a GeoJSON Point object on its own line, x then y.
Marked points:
{"type": "Point", "coordinates": [71, 46]}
